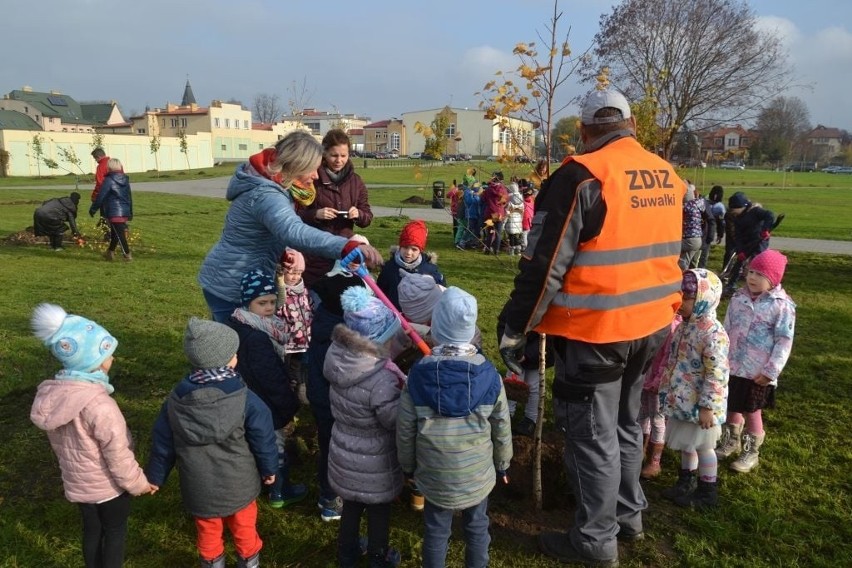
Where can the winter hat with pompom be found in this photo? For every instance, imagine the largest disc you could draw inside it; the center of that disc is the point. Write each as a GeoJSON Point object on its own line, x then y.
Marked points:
{"type": "Point", "coordinates": [454, 317]}
{"type": "Point", "coordinates": [79, 343]}
{"type": "Point", "coordinates": [367, 315]}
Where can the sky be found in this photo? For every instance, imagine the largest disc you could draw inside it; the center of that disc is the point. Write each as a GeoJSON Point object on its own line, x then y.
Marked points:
{"type": "Point", "coordinates": [374, 58]}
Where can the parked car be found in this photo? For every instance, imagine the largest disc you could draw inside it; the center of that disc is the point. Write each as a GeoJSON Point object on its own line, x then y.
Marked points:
{"type": "Point", "coordinates": [393, 154]}
{"type": "Point", "coordinates": [801, 167]}
{"type": "Point", "coordinates": [464, 157]}
{"type": "Point", "coordinates": [732, 166]}
{"type": "Point", "coordinates": [415, 156]}
{"type": "Point", "coordinates": [692, 163]}
{"type": "Point", "coordinates": [491, 159]}
{"type": "Point", "coordinates": [843, 170]}
{"type": "Point", "coordinates": [831, 169]}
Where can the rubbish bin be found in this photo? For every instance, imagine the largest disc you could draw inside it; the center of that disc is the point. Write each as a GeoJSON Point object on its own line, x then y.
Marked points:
{"type": "Point", "coordinates": [438, 194]}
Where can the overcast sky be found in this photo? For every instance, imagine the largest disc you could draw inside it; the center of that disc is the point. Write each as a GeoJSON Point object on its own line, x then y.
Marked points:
{"type": "Point", "coordinates": [374, 58]}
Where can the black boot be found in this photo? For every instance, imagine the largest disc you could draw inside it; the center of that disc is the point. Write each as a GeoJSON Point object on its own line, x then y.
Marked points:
{"type": "Point", "coordinates": [705, 496]}
{"type": "Point", "coordinates": [686, 483]}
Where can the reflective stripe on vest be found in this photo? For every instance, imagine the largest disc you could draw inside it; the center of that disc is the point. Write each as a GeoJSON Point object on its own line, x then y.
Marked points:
{"type": "Point", "coordinates": [625, 283]}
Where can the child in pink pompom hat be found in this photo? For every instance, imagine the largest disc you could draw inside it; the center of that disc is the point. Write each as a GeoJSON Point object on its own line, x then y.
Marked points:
{"type": "Point", "coordinates": [760, 322]}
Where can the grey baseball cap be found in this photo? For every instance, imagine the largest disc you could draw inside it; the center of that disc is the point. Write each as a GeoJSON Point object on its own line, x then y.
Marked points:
{"type": "Point", "coordinates": [607, 98]}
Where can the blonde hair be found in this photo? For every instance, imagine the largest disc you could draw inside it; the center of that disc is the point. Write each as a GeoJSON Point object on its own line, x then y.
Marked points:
{"type": "Point", "coordinates": [114, 165]}
{"type": "Point", "coordinates": [296, 154]}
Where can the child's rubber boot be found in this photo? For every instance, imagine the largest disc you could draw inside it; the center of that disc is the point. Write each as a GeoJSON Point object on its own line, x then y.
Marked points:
{"type": "Point", "coordinates": [283, 493]}
{"type": "Point", "coordinates": [705, 496]}
{"type": "Point", "coordinates": [218, 562]}
{"type": "Point", "coordinates": [685, 485]}
{"type": "Point", "coordinates": [252, 561]}
{"type": "Point", "coordinates": [652, 465]}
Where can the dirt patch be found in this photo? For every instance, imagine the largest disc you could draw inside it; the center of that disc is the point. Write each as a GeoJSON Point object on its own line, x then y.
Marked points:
{"type": "Point", "coordinates": [414, 200]}
{"type": "Point", "coordinates": [23, 238]}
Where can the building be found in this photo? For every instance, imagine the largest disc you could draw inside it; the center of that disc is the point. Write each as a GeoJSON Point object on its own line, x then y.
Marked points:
{"type": "Point", "coordinates": [320, 122]}
{"type": "Point", "coordinates": [727, 142]}
{"type": "Point", "coordinates": [470, 132]}
{"type": "Point", "coordinates": [384, 136]}
{"type": "Point", "coordinates": [52, 111]}
{"type": "Point", "coordinates": [824, 142]}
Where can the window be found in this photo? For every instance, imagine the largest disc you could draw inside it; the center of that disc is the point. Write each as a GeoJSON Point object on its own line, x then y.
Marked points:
{"type": "Point", "coordinates": [314, 126]}
{"type": "Point", "coordinates": [140, 131]}
{"type": "Point", "coordinates": [732, 142]}
{"type": "Point", "coordinates": [174, 122]}
{"type": "Point", "coordinates": [183, 122]}
{"type": "Point", "coordinates": [164, 123]}
{"type": "Point", "coordinates": [245, 125]}
{"type": "Point", "coordinates": [451, 130]}
{"type": "Point", "coordinates": [224, 147]}
{"type": "Point", "coordinates": [216, 122]}
{"type": "Point", "coordinates": [36, 118]}
{"type": "Point", "coordinates": [394, 143]}
{"type": "Point", "coordinates": [26, 109]}
{"type": "Point", "coordinates": [227, 123]}
{"type": "Point", "coordinates": [51, 120]}
{"type": "Point", "coordinates": [243, 146]}
{"type": "Point", "coordinates": [260, 146]}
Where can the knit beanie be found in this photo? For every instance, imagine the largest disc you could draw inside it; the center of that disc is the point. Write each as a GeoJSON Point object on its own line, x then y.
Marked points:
{"type": "Point", "coordinates": [738, 200]}
{"type": "Point", "coordinates": [418, 294]}
{"type": "Point", "coordinates": [256, 283]}
{"type": "Point", "coordinates": [771, 264]}
{"type": "Point", "coordinates": [79, 343]}
{"type": "Point", "coordinates": [454, 317]}
{"type": "Point", "coordinates": [209, 344]}
{"type": "Point", "coordinates": [414, 234]}
{"type": "Point", "coordinates": [367, 315]}
{"type": "Point", "coordinates": [293, 260]}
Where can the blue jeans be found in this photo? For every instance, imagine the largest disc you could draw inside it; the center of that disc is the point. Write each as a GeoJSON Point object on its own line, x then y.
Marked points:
{"type": "Point", "coordinates": [437, 526]}
{"type": "Point", "coordinates": [220, 309]}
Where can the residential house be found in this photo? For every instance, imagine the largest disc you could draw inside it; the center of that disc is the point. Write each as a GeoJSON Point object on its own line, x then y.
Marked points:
{"type": "Point", "coordinates": [384, 136]}
{"type": "Point", "coordinates": [52, 111]}
{"type": "Point", "coordinates": [824, 142]}
{"type": "Point", "coordinates": [320, 122]}
{"type": "Point", "coordinates": [727, 142]}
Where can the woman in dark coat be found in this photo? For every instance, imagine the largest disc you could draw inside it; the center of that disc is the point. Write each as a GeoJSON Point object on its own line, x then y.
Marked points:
{"type": "Point", "coordinates": [116, 203]}
{"type": "Point", "coordinates": [50, 219]}
{"type": "Point", "coordinates": [341, 201]}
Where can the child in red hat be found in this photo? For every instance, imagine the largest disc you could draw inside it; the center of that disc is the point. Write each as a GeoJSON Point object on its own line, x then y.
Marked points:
{"type": "Point", "coordinates": [409, 256]}
{"type": "Point", "coordinates": [760, 322]}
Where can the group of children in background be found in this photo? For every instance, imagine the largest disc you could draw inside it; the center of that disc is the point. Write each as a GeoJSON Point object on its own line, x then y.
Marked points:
{"type": "Point", "coordinates": [223, 425]}
{"type": "Point", "coordinates": [705, 390]}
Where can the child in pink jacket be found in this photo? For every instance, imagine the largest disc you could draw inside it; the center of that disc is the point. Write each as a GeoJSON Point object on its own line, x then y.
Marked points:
{"type": "Point", "coordinates": [87, 431]}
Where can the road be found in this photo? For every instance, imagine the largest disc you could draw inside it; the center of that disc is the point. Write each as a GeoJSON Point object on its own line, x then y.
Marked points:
{"type": "Point", "coordinates": [215, 187]}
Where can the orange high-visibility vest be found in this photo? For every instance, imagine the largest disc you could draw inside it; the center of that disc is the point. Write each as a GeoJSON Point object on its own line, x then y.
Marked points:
{"type": "Point", "coordinates": [625, 283]}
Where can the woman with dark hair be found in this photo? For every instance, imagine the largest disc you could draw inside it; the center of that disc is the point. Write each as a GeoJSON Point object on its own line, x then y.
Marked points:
{"type": "Point", "coordinates": [340, 204]}
{"type": "Point", "coordinates": [262, 221]}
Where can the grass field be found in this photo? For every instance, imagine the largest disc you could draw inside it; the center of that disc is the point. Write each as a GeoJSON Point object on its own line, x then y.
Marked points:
{"type": "Point", "coordinates": [792, 511]}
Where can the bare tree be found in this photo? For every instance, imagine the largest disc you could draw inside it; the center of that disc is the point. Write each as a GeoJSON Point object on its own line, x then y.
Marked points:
{"type": "Point", "coordinates": [266, 108]}
{"type": "Point", "coordinates": [781, 127]}
{"type": "Point", "coordinates": [539, 77]}
{"type": "Point", "coordinates": [300, 98]}
{"type": "Point", "coordinates": [695, 60]}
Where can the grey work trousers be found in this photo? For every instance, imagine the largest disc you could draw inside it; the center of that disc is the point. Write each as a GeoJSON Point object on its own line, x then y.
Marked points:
{"type": "Point", "coordinates": [596, 394]}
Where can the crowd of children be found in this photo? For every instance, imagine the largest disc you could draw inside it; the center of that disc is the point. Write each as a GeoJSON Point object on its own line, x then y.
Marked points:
{"type": "Point", "coordinates": [387, 415]}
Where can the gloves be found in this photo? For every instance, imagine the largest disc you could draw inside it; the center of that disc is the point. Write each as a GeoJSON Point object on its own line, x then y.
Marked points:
{"type": "Point", "coordinates": [764, 235]}
{"type": "Point", "coordinates": [92, 211]}
{"type": "Point", "coordinates": [512, 350]}
{"type": "Point", "coordinates": [741, 256]}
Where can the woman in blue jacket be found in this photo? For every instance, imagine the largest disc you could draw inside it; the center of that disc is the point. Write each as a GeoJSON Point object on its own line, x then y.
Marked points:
{"type": "Point", "coordinates": [116, 203]}
{"type": "Point", "coordinates": [262, 221]}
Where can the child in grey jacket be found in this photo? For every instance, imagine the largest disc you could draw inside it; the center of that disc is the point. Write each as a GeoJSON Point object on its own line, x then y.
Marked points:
{"type": "Point", "coordinates": [454, 434]}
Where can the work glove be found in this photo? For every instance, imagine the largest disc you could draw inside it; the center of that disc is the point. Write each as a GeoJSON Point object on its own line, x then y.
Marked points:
{"type": "Point", "coordinates": [512, 350]}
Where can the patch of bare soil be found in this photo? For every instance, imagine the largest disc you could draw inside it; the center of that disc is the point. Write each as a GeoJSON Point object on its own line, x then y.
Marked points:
{"type": "Point", "coordinates": [414, 200]}
{"type": "Point", "coordinates": [25, 237]}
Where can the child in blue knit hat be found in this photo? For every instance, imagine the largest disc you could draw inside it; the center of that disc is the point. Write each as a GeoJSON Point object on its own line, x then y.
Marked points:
{"type": "Point", "coordinates": [365, 385]}
{"type": "Point", "coordinates": [454, 435]}
{"type": "Point", "coordinates": [261, 360]}
{"type": "Point", "coordinates": [87, 431]}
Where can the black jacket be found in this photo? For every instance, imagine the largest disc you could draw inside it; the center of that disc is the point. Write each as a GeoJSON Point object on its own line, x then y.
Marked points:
{"type": "Point", "coordinates": [51, 216]}
{"type": "Point", "coordinates": [265, 373]}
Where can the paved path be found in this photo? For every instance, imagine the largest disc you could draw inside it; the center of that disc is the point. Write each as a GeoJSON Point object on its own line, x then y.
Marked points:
{"type": "Point", "coordinates": [215, 187]}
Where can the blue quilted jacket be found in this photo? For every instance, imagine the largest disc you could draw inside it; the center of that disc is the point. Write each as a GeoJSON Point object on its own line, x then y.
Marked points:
{"type": "Point", "coordinates": [260, 223]}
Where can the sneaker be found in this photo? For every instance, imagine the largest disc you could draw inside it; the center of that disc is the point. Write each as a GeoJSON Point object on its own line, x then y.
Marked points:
{"type": "Point", "coordinates": [389, 559]}
{"type": "Point", "coordinates": [330, 509]}
{"type": "Point", "coordinates": [288, 496]}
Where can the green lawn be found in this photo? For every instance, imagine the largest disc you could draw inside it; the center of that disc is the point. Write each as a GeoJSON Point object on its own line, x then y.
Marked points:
{"type": "Point", "coordinates": [793, 511]}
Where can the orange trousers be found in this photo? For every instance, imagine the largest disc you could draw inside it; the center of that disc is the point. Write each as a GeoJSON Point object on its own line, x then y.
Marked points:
{"type": "Point", "coordinates": [243, 527]}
